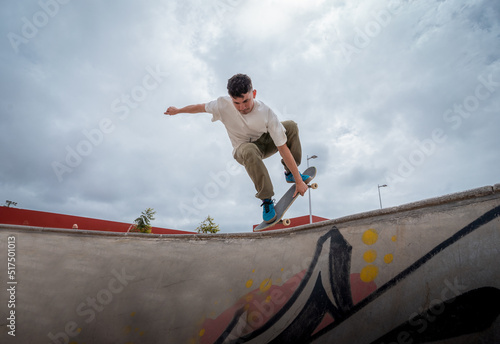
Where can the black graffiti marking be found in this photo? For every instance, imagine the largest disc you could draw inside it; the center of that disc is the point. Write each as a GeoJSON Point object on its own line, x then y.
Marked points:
{"type": "Point", "coordinates": [339, 264]}
{"type": "Point", "coordinates": [318, 303]}
{"type": "Point", "coordinates": [471, 312]}
{"type": "Point", "coordinates": [479, 222]}
{"type": "Point", "coordinates": [341, 308]}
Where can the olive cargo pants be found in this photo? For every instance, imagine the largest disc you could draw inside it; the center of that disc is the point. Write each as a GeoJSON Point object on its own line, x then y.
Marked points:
{"type": "Point", "coordinates": [251, 155]}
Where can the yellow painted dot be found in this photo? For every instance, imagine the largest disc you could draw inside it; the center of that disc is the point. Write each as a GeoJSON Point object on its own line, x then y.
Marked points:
{"type": "Point", "coordinates": [265, 285]}
{"type": "Point", "coordinates": [132, 314]}
{"type": "Point", "coordinates": [79, 330]}
{"type": "Point", "coordinates": [249, 283]}
{"type": "Point", "coordinates": [268, 299]}
{"type": "Point", "coordinates": [202, 332]}
{"type": "Point", "coordinates": [370, 256]}
{"type": "Point", "coordinates": [370, 237]}
{"type": "Point", "coordinates": [368, 273]}
{"type": "Point", "coordinates": [282, 269]}
{"type": "Point", "coordinates": [394, 238]}
{"type": "Point", "coordinates": [253, 270]}
{"type": "Point", "coordinates": [388, 258]}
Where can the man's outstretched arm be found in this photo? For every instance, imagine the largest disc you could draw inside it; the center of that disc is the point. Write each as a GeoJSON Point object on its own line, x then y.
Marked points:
{"type": "Point", "coordinates": [197, 108]}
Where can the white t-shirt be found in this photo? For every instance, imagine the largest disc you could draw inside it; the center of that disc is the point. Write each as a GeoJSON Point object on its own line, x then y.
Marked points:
{"type": "Point", "coordinates": [249, 127]}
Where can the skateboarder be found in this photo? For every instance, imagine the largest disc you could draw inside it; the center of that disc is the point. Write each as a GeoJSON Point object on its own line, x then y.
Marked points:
{"type": "Point", "coordinates": [255, 133]}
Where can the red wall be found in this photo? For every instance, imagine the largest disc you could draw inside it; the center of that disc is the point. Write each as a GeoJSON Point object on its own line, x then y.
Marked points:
{"type": "Point", "coordinates": [15, 216]}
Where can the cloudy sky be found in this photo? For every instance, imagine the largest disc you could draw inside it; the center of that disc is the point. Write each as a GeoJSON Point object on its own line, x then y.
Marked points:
{"type": "Point", "coordinates": [404, 93]}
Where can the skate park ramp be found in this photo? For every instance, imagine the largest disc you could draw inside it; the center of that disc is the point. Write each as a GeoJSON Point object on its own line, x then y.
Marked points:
{"type": "Point", "coordinates": [418, 273]}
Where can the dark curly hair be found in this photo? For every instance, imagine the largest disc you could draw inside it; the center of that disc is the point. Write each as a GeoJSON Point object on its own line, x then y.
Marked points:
{"type": "Point", "coordinates": [239, 85]}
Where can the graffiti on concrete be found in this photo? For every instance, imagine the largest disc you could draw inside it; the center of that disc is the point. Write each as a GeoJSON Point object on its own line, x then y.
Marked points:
{"type": "Point", "coordinates": [326, 294]}
{"type": "Point", "coordinates": [469, 312]}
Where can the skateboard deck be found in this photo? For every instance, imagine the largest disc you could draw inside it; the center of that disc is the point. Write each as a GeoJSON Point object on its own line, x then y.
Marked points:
{"type": "Point", "coordinates": [286, 201]}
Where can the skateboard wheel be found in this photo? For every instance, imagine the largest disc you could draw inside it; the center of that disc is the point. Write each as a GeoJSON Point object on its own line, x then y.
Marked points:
{"type": "Point", "coordinates": [286, 222]}
{"type": "Point", "coordinates": [314, 186]}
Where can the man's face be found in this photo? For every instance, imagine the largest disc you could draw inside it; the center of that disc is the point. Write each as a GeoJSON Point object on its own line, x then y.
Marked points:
{"type": "Point", "coordinates": [245, 103]}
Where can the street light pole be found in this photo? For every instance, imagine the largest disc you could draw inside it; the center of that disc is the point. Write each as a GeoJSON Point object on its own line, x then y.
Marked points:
{"type": "Point", "coordinates": [379, 198]}
{"type": "Point", "coordinates": [309, 191]}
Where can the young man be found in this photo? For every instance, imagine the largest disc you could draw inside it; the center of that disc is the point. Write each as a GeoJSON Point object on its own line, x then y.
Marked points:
{"type": "Point", "coordinates": [255, 133]}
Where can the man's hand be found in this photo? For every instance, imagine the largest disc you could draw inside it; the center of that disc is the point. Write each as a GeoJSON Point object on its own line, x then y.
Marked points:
{"type": "Point", "coordinates": [172, 111]}
{"type": "Point", "coordinates": [300, 188]}
{"type": "Point", "coordinates": [196, 108]}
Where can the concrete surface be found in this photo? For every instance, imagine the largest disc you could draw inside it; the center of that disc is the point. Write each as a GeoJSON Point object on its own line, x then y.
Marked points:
{"type": "Point", "coordinates": [423, 272]}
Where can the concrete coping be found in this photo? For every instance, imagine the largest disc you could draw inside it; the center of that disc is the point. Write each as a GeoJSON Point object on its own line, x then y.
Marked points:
{"type": "Point", "coordinates": [445, 199]}
{"type": "Point", "coordinates": [450, 198]}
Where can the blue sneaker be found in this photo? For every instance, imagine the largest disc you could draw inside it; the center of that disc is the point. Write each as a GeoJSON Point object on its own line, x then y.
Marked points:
{"type": "Point", "coordinates": [290, 179]}
{"type": "Point", "coordinates": [268, 213]}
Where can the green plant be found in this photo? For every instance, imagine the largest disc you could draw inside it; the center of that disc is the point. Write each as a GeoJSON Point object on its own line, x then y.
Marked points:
{"type": "Point", "coordinates": [142, 224]}
{"type": "Point", "coordinates": [208, 226]}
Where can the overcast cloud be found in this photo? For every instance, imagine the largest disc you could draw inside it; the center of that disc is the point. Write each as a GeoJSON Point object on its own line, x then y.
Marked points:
{"type": "Point", "coordinates": [404, 93]}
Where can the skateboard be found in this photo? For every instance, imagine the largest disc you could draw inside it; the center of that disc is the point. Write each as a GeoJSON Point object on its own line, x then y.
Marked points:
{"type": "Point", "coordinates": [286, 201]}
